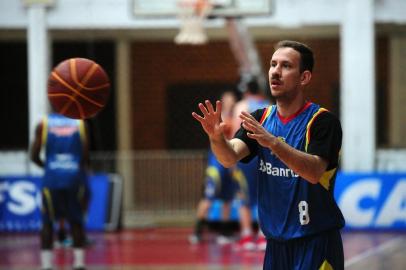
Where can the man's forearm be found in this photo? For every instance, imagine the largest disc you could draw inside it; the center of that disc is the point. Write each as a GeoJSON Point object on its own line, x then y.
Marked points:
{"type": "Point", "coordinates": [308, 166]}
{"type": "Point", "coordinates": [224, 151]}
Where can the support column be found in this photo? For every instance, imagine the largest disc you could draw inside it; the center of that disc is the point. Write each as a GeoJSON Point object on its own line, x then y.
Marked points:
{"type": "Point", "coordinates": [358, 86]}
{"type": "Point", "coordinates": [38, 62]}
{"type": "Point", "coordinates": [124, 122]}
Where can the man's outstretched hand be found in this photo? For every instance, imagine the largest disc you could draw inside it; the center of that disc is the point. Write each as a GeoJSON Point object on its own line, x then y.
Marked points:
{"type": "Point", "coordinates": [256, 131]}
{"type": "Point", "coordinates": [211, 119]}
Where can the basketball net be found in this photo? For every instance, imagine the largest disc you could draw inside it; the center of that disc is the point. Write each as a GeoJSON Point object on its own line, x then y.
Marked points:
{"type": "Point", "coordinates": [192, 14]}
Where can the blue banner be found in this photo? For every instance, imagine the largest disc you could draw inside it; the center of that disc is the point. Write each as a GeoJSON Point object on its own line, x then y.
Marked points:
{"type": "Point", "coordinates": [372, 200]}
{"type": "Point", "coordinates": [20, 202]}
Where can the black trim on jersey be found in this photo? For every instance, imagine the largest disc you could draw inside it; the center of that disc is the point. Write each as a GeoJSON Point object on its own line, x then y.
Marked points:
{"type": "Point", "coordinates": [325, 138]}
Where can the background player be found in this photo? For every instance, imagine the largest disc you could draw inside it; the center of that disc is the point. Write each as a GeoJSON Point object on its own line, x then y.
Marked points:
{"type": "Point", "coordinates": [246, 173]}
{"type": "Point", "coordinates": [298, 144]}
{"type": "Point", "coordinates": [218, 181]}
{"type": "Point", "coordinates": [65, 142]}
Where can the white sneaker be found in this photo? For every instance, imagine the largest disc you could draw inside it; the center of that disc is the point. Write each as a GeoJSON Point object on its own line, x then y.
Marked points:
{"type": "Point", "coordinates": [261, 243]}
{"type": "Point", "coordinates": [194, 239]}
{"type": "Point", "coordinates": [224, 240]}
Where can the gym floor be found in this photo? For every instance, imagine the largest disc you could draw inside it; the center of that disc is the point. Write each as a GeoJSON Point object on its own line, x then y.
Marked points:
{"type": "Point", "coordinates": [168, 249]}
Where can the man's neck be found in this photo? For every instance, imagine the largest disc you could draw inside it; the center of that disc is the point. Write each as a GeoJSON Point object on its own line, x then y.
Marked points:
{"type": "Point", "coordinates": [288, 108]}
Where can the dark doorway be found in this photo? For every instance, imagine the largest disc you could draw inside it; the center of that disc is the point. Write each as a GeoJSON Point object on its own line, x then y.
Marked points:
{"type": "Point", "coordinates": [182, 130]}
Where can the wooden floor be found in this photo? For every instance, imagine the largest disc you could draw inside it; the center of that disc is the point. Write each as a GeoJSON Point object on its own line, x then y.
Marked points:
{"type": "Point", "coordinates": [168, 249]}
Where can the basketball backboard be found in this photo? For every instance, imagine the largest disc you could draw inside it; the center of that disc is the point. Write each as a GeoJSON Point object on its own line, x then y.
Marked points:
{"type": "Point", "coordinates": [221, 8]}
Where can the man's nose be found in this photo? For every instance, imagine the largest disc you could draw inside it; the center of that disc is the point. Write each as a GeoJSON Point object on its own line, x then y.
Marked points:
{"type": "Point", "coordinates": [275, 71]}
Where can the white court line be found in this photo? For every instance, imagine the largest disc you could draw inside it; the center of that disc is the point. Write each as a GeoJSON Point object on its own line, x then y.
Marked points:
{"type": "Point", "coordinates": [378, 249]}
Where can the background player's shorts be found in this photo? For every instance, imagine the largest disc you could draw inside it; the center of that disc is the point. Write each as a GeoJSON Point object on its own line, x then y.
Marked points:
{"type": "Point", "coordinates": [246, 175]}
{"type": "Point", "coordinates": [62, 203]}
{"type": "Point", "coordinates": [219, 182]}
{"type": "Point", "coordinates": [323, 251]}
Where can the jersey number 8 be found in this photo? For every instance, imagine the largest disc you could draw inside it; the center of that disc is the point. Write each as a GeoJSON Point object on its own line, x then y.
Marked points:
{"type": "Point", "coordinates": [304, 213]}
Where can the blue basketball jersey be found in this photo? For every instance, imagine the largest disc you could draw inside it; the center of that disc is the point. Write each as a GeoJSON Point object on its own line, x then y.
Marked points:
{"type": "Point", "coordinates": [219, 182]}
{"type": "Point", "coordinates": [289, 206]}
{"type": "Point", "coordinates": [63, 140]}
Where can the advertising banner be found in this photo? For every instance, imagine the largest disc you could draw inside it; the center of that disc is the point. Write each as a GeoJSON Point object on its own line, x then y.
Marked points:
{"type": "Point", "coordinates": [20, 202]}
{"type": "Point", "coordinates": [370, 201]}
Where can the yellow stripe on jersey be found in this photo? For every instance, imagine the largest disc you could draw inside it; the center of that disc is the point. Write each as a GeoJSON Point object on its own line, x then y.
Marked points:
{"type": "Point", "coordinates": [48, 201]}
{"type": "Point", "coordinates": [326, 266]}
{"type": "Point", "coordinates": [213, 173]}
{"type": "Point", "coordinates": [44, 134]}
{"type": "Point", "coordinates": [82, 131]}
{"type": "Point", "coordinates": [326, 177]}
{"type": "Point", "coordinates": [266, 113]}
{"type": "Point", "coordinates": [310, 124]}
{"type": "Point", "coordinates": [239, 176]}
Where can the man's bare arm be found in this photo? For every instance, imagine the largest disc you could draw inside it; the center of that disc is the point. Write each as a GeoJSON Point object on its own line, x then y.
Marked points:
{"type": "Point", "coordinates": [36, 146]}
{"type": "Point", "coordinates": [229, 152]}
{"type": "Point", "coordinates": [308, 166]}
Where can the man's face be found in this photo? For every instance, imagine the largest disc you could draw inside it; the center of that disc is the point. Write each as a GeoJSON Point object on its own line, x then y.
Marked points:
{"type": "Point", "coordinates": [284, 73]}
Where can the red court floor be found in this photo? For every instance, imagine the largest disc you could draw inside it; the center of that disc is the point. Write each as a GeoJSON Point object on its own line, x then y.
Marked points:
{"type": "Point", "coordinates": [168, 249]}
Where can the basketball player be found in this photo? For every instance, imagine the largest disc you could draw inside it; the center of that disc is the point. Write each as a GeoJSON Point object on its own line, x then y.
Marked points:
{"type": "Point", "coordinates": [65, 143]}
{"type": "Point", "coordinates": [297, 143]}
{"type": "Point", "coordinates": [219, 183]}
{"type": "Point", "coordinates": [246, 173]}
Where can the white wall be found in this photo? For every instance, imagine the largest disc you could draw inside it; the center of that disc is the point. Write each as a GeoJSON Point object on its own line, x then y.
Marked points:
{"type": "Point", "coordinates": [117, 14]}
{"type": "Point", "coordinates": [323, 16]}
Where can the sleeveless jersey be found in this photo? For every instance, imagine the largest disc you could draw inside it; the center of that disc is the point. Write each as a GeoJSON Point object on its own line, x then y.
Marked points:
{"type": "Point", "coordinates": [289, 206]}
{"type": "Point", "coordinates": [63, 140]}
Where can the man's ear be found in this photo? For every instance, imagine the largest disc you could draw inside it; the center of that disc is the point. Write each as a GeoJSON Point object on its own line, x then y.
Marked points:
{"type": "Point", "coordinates": [305, 77]}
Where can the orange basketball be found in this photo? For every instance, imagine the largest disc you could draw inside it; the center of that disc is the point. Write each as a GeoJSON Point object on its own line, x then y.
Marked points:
{"type": "Point", "coordinates": [78, 88]}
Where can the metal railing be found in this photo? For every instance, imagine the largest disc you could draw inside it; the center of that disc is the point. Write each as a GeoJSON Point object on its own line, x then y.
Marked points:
{"type": "Point", "coordinates": [159, 186]}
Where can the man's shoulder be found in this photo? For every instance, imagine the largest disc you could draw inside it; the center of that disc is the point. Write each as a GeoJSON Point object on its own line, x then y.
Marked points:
{"type": "Point", "coordinates": [326, 119]}
{"type": "Point", "coordinates": [327, 115]}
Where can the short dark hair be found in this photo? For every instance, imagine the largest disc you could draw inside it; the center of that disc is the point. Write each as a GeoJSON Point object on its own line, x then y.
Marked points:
{"type": "Point", "coordinates": [253, 86]}
{"type": "Point", "coordinates": [306, 54]}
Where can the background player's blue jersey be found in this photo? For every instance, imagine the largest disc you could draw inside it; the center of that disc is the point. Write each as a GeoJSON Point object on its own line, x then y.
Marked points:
{"type": "Point", "coordinates": [246, 173]}
{"type": "Point", "coordinates": [256, 104]}
{"type": "Point", "coordinates": [289, 206]}
{"type": "Point", "coordinates": [63, 140]}
{"type": "Point", "coordinates": [219, 181]}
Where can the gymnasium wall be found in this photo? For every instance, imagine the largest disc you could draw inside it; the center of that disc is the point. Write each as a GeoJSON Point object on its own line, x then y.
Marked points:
{"type": "Point", "coordinates": [156, 66]}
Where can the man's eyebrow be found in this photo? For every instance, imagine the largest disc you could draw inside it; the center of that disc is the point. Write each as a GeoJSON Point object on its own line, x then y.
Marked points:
{"type": "Point", "coordinates": [282, 61]}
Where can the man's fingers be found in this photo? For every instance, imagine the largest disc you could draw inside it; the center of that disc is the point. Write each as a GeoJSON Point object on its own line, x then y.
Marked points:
{"type": "Point", "coordinates": [218, 106]}
{"type": "Point", "coordinates": [247, 115]}
{"type": "Point", "coordinates": [252, 136]}
{"type": "Point", "coordinates": [248, 126]}
{"type": "Point", "coordinates": [203, 109]}
{"type": "Point", "coordinates": [197, 117]}
{"type": "Point", "coordinates": [252, 124]}
{"type": "Point", "coordinates": [209, 107]}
